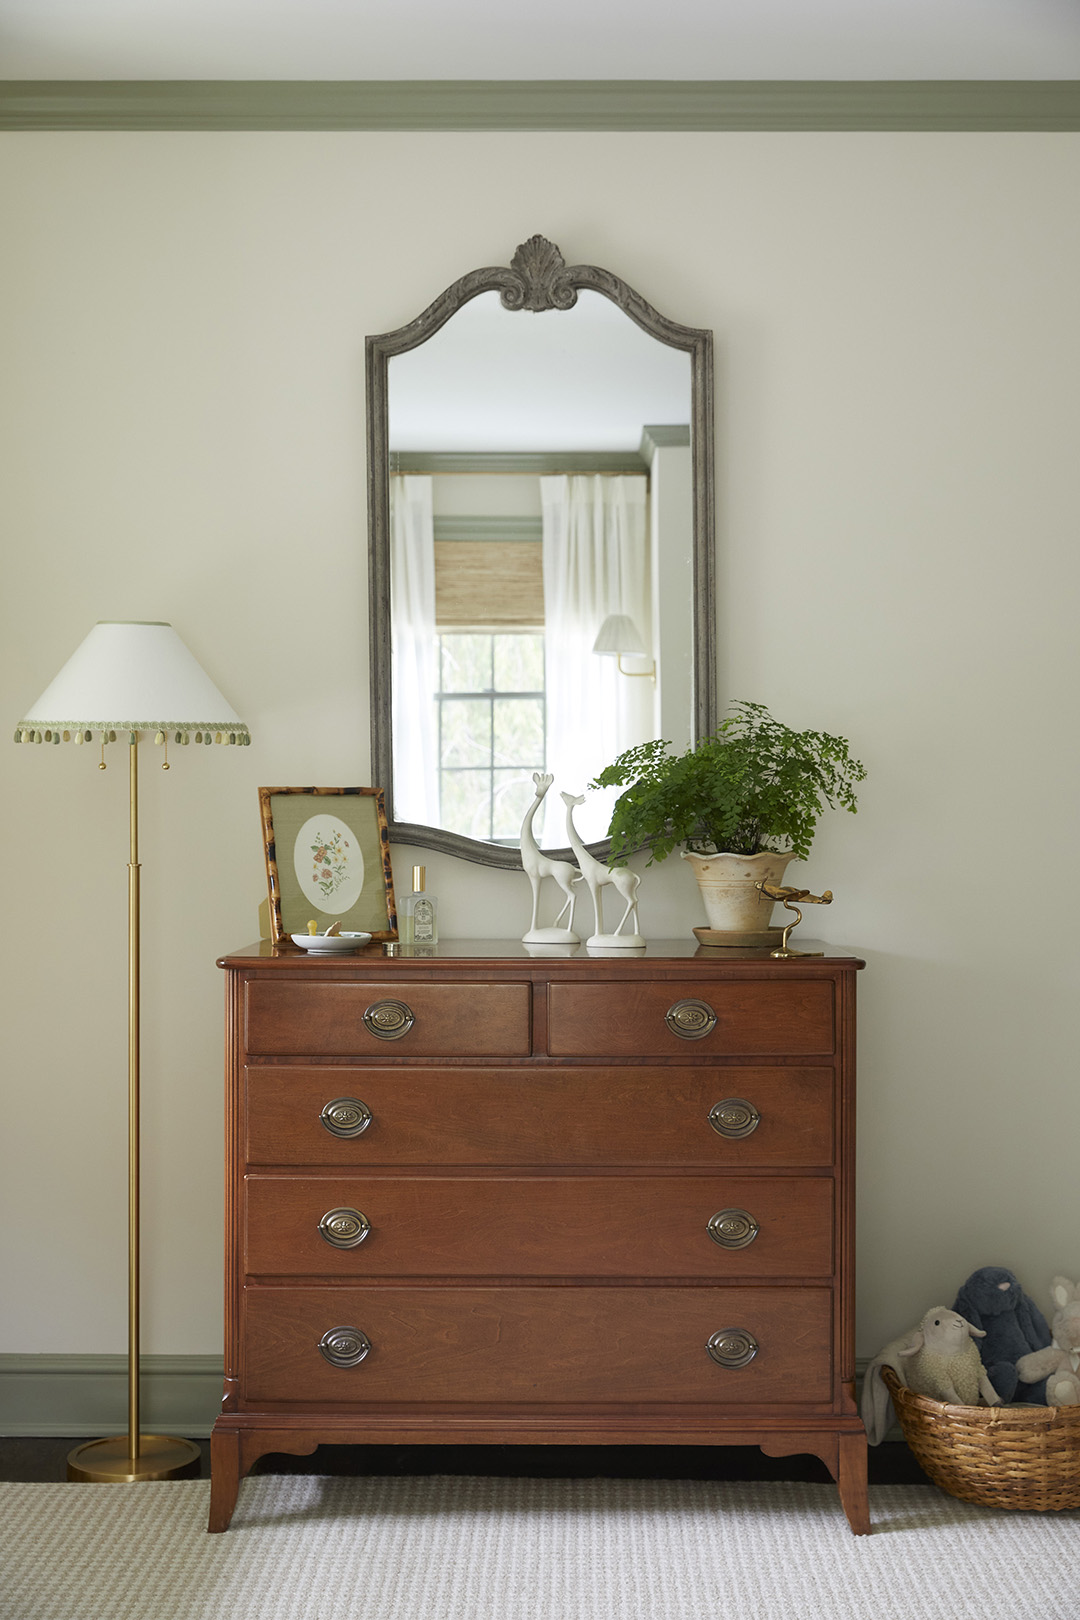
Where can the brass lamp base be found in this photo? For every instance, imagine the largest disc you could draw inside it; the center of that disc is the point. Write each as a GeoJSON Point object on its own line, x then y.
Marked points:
{"type": "Point", "coordinates": [109, 1461]}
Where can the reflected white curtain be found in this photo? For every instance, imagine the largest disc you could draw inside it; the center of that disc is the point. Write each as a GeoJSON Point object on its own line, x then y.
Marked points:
{"type": "Point", "coordinates": [413, 671]}
{"type": "Point", "coordinates": [595, 553]}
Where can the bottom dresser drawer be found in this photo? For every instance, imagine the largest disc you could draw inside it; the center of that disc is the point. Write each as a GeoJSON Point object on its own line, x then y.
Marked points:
{"type": "Point", "coordinates": [347, 1346]}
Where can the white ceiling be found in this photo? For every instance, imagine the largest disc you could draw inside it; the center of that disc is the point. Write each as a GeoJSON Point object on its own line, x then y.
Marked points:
{"type": "Point", "coordinates": [559, 39]}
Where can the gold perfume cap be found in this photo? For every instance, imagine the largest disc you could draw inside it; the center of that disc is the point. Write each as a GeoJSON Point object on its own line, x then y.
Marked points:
{"type": "Point", "coordinates": [419, 874]}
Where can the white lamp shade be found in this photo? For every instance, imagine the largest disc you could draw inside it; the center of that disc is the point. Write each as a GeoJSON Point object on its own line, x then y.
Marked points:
{"type": "Point", "coordinates": [619, 634]}
{"type": "Point", "coordinates": [134, 676]}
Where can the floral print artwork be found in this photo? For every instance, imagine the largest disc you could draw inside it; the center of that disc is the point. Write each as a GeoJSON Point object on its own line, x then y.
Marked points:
{"type": "Point", "coordinates": [330, 859]}
{"type": "Point", "coordinates": [329, 864]}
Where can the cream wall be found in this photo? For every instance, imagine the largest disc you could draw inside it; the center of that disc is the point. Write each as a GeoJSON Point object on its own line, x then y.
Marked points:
{"type": "Point", "coordinates": [898, 343]}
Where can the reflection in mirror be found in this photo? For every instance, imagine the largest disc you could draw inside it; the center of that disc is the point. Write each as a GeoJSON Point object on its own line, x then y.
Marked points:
{"type": "Point", "coordinates": [537, 545]}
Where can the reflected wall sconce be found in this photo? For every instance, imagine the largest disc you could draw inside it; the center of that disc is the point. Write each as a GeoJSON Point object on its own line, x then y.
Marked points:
{"type": "Point", "coordinates": [123, 679]}
{"type": "Point", "coordinates": [619, 636]}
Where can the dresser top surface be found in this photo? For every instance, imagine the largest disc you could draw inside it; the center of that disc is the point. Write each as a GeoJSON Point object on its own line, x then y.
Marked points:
{"type": "Point", "coordinates": [504, 953]}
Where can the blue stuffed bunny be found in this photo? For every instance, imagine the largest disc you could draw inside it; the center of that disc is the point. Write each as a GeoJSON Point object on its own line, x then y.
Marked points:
{"type": "Point", "coordinates": [993, 1300]}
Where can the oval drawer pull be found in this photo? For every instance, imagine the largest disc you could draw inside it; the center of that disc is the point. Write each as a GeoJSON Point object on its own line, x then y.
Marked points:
{"type": "Point", "coordinates": [344, 1346]}
{"type": "Point", "coordinates": [691, 1020]}
{"type": "Point", "coordinates": [732, 1347]}
{"type": "Point", "coordinates": [348, 1116]}
{"type": "Point", "coordinates": [389, 1020]}
{"type": "Point", "coordinates": [734, 1118]}
{"type": "Point", "coordinates": [732, 1228]}
{"type": "Point", "coordinates": [344, 1228]}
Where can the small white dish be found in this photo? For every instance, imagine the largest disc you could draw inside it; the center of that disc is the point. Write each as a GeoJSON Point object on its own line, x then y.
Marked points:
{"type": "Point", "coordinates": [328, 943]}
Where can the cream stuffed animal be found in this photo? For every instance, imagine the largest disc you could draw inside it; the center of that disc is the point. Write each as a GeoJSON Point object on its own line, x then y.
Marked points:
{"type": "Point", "coordinates": [1060, 1363]}
{"type": "Point", "coordinates": [945, 1364]}
{"type": "Point", "coordinates": [936, 1358]}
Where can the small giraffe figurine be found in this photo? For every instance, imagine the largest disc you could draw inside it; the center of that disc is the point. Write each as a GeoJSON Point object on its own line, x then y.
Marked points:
{"type": "Point", "coordinates": [539, 866]}
{"type": "Point", "coordinates": [599, 877]}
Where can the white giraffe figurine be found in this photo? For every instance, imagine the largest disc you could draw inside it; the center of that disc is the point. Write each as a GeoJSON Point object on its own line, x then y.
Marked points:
{"type": "Point", "coordinates": [599, 877]}
{"type": "Point", "coordinates": [539, 866]}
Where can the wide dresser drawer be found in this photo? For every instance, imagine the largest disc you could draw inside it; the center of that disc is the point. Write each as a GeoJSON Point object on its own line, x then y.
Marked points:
{"type": "Point", "coordinates": [658, 1018]}
{"type": "Point", "coordinates": [554, 1345]}
{"type": "Point", "coordinates": [436, 1225]}
{"type": "Point", "coordinates": [346, 1018]}
{"type": "Point", "coordinates": [748, 1118]}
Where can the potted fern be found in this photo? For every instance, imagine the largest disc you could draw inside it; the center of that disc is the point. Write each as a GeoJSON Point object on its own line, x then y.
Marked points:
{"type": "Point", "coordinates": [743, 803]}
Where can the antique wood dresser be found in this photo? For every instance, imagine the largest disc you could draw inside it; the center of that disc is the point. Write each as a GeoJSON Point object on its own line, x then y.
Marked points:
{"type": "Point", "coordinates": [484, 1195]}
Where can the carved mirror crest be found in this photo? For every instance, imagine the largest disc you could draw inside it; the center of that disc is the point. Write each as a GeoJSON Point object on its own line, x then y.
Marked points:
{"type": "Point", "coordinates": [540, 492]}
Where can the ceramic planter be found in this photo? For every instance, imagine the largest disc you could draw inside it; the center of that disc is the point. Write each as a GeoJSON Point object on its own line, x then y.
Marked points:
{"type": "Point", "coordinates": [726, 881]}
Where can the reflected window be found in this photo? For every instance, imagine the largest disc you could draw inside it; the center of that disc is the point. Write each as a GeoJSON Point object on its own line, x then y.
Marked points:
{"type": "Point", "coordinates": [491, 729]}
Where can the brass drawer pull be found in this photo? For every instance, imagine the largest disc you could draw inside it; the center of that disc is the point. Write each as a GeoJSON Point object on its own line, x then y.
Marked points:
{"type": "Point", "coordinates": [732, 1347]}
{"type": "Point", "coordinates": [732, 1228]}
{"type": "Point", "coordinates": [389, 1020]}
{"type": "Point", "coordinates": [348, 1116]}
{"type": "Point", "coordinates": [691, 1020]}
{"type": "Point", "coordinates": [344, 1228]}
{"type": "Point", "coordinates": [344, 1346]}
{"type": "Point", "coordinates": [734, 1118]}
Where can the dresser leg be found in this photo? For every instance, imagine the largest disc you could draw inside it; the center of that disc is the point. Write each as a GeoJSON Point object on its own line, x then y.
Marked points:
{"type": "Point", "coordinates": [851, 1482]}
{"type": "Point", "coordinates": [224, 1478]}
{"type": "Point", "coordinates": [844, 1455]}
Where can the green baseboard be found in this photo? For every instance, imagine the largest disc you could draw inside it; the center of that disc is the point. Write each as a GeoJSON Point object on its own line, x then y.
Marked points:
{"type": "Point", "coordinates": [87, 1395]}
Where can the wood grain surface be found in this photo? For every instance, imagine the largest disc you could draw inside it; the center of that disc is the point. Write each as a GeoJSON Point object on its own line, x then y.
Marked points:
{"type": "Point", "coordinates": [540, 1226]}
{"type": "Point", "coordinates": [537, 1344]}
{"type": "Point", "coordinates": [532, 1115]}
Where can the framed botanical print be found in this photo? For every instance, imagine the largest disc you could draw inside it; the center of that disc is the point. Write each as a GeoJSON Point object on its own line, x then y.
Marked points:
{"type": "Point", "coordinates": [327, 859]}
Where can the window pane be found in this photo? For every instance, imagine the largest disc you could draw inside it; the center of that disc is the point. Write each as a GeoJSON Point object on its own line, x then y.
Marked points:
{"type": "Point", "coordinates": [519, 663]}
{"type": "Point", "coordinates": [466, 803]}
{"type": "Point", "coordinates": [514, 792]}
{"type": "Point", "coordinates": [465, 731]}
{"type": "Point", "coordinates": [519, 732]}
{"type": "Point", "coordinates": [466, 663]}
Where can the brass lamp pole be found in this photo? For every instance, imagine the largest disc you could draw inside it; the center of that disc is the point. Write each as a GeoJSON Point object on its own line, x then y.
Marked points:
{"type": "Point", "coordinates": [137, 669]}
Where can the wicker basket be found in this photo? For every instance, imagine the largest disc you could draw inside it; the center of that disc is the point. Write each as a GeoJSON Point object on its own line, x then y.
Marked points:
{"type": "Point", "coordinates": [1025, 1457]}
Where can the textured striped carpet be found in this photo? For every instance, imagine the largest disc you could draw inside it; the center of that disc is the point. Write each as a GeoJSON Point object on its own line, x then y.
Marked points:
{"type": "Point", "coordinates": [307, 1547]}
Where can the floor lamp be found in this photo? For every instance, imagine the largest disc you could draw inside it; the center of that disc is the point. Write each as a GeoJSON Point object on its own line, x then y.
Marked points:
{"type": "Point", "coordinates": [124, 679]}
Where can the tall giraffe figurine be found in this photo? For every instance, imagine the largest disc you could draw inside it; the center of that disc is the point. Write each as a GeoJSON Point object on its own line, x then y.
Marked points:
{"type": "Point", "coordinates": [599, 877]}
{"type": "Point", "coordinates": [539, 866]}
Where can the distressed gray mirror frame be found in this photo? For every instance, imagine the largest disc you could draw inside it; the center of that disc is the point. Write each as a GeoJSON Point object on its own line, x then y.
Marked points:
{"type": "Point", "coordinates": [537, 278]}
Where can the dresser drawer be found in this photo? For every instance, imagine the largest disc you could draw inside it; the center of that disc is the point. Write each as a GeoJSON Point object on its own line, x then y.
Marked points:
{"type": "Point", "coordinates": [752, 1018]}
{"type": "Point", "coordinates": [326, 1018]}
{"type": "Point", "coordinates": [566, 1116]}
{"type": "Point", "coordinates": [554, 1345]}
{"type": "Point", "coordinates": [540, 1226]}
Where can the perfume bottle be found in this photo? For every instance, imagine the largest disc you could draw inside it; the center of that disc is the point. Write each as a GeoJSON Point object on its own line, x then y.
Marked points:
{"type": "Point", "coordinates": [419, 913]}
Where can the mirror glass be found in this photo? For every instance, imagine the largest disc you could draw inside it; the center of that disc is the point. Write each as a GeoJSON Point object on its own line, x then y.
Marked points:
{"type": "Point", "coordinates": [536, 515]}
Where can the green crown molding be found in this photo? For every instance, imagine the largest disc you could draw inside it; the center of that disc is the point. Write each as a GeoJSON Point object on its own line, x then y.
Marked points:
{"type": "Point", "coordinates": [540, 104]}
{"type": "Point", "coordinates": [511, 462]}
{"type": "Point", "coordinates": [498, 530]}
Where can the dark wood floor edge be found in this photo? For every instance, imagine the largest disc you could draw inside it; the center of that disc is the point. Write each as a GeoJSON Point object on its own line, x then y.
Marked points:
{"type": "Point", "coordinates": [31, 1459]}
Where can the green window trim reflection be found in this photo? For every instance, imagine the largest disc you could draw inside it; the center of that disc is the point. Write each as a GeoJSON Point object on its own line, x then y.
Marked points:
{"type": "Point", "coordinates": [492, 729]}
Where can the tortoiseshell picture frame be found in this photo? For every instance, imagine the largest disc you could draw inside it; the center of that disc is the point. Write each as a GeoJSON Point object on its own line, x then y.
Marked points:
{"type": "Point", "coordinates": [327, 852]}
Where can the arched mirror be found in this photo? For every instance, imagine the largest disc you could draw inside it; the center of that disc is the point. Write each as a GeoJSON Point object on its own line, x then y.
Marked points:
{"type": "Point", "coordinates": [541, 567]}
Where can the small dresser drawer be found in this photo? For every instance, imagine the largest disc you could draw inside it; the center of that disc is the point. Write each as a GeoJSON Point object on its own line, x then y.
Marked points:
{"type": "Point", "coordinates": [748, 1017]}
{"type": "Point", "coordinates": [344, 1018]}
{"type": "Point", "coordinates": [707, 1226]}
{"type": "Point", "coordinates": [746, 1117]}
{"type": "Point", "coordinates": [346, 1347]}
